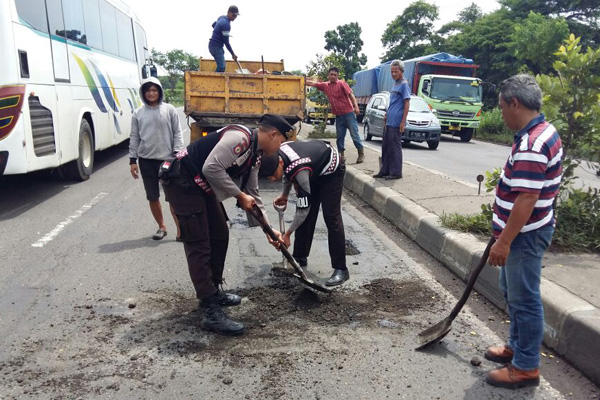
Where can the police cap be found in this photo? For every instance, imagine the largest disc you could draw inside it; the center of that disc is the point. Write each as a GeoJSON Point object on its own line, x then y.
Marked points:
{"type": "Point", "coordinates": [279, 123]}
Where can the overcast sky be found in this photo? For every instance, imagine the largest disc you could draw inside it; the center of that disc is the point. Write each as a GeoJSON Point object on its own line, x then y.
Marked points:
{"type": "Point", "coordinates": [276, 29]}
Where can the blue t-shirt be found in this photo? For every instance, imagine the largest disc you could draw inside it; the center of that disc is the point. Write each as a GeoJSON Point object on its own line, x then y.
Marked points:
{"type": "Point", "coordinates": [398, 94]}
{"type": "Point", "coordinates": [221, 32]}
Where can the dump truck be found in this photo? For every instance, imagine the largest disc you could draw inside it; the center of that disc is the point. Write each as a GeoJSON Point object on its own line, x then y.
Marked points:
{"type": "Point", "coordinates": [241, 95]}
{"type": "Point", "coordinates": [446, 82]}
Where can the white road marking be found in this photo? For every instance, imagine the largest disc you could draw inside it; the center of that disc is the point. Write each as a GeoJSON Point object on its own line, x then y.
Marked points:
{"type": "Point", "coordinates": [54, 232]}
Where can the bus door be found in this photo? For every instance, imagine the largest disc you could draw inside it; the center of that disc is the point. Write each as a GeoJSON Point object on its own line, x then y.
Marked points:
{"type": "Point", "coordinates": [60, 54]}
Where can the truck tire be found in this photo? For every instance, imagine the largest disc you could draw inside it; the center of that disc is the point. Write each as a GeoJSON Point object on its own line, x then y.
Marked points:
{"type": "Point", "coordinates": [466, 135]}
{"type": "Point", "coordinates": [433, 144]}
{"type": "Point", "coordinates": [81, 168]}
{"type": "Point", "coordinates": [366, 134]}
{"type": "Point", "coordinates": [360, 118]}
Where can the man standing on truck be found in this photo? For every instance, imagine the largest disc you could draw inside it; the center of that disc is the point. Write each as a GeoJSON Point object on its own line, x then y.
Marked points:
{"type": "Point", "coordinates": [196, 182]}
{"type": "Point", "coordinates": [523, 225]}
{"type": "Point", "coordinates": [220, 37]}
{"type": "Point", "coordinates": [395, 121]}
{"type": "Point", "coordinates": [345, 108]}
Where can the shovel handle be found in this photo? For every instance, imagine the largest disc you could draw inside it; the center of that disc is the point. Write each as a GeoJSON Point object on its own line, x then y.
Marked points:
{"type": "Point", "coordinates": [257, 213]}
{"type": "Point", "coordinates": [472, 278]}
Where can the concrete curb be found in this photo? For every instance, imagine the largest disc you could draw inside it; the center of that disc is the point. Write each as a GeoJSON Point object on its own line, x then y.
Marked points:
{"type": "Point", "coordinates": [572, 325]}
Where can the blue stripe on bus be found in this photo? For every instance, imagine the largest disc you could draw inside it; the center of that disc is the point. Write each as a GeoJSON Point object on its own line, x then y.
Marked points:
{"type": "Point", "coordinates": [4, 122]}
{"type": "Point", "coordinates": [117, 126]}
{"type": "Point", "coordinates": [105, 87]}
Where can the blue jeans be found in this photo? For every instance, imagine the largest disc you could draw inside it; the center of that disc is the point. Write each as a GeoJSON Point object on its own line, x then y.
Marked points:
{"type": "Point", "coordinates": [219, 55]}
{"type": "Point", "coordinates": [520, 284]}
{"type": "Point", "coordinates": [343, 122]}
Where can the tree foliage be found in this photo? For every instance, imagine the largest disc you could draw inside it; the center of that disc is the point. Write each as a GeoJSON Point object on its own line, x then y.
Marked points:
{"type": "Point", "coordinates": [345, 41]}
{"type": "Point", "coordinates": [470, 14]}
{"type": "Point", "coordinates": [572, 101]}
{"type": "Point", "coordinates": [411, 33]}
{"type": "Point", "coordinates": [537, 37]}
{"type": "Point", "coordinates": [175, 62]}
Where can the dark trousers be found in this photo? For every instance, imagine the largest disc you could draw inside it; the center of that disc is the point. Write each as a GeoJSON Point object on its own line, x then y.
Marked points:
{"type": "Point", "coordinates": [204, 232]}
{"type": "Point", "coordinates": [326, 191]}
{"type": "Point", "coordinates": [391, 152]}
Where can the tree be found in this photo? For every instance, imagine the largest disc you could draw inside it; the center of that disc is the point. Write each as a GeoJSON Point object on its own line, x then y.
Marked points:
{"type": "Point", "coordinates": [175, 62]}
{"type": "Point", "coordinates": [572, 102]}
{"type": "Point", "coordinates": [346, 42]}
{"type": "Point", "coordinates": [411, 33]}
{"type": "Point", "coordinates": [536, 38]}
{"type": "Point", "coordinates": [582, 16]}
{"type": "Point", "coordinates": [470, 14]}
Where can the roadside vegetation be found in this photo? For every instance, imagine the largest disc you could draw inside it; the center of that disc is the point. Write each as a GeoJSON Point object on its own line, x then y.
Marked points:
{"type": "Point", "coordinates": [493, 129]}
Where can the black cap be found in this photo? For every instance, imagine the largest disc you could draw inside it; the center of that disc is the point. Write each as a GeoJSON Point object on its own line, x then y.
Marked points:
{"type": "Point", "coordinates": [233, 10]}
{"type": "Point", "coordinates": [277, 122]}
{"type": "Point", "coordinates": [268, 165]}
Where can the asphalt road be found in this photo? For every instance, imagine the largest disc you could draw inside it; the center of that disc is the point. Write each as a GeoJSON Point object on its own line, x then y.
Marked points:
{"type": "Point", "coordinates": [93, 308]}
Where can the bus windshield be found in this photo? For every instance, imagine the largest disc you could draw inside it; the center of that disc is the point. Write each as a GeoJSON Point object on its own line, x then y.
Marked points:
{"type": "Point", "coordinates": [455, 90]}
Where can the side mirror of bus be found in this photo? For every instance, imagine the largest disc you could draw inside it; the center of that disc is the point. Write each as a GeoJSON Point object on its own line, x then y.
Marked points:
{"type": "Point", "coordinates": [153, 71]}
{"type": "Point", "coordinates": [144, 72]}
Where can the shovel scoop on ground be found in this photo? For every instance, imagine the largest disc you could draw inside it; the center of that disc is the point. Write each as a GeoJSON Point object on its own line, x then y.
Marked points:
{"type": "Point", "coordinates": [298, 271]}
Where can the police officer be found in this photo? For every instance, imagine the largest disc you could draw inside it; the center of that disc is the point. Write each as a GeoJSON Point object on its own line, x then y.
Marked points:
{"type": "Point", "coordinates": [196, 182]}
{"type": "Point", "coordinates": [316, 170]}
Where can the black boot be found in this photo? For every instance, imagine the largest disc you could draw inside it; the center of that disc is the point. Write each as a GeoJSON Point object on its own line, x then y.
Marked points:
{"type": "Point", "coordinates": [338, 277]}
{"type": "Point", "coordinates": [216, 320]}
{"type": "Point", "coordinates": [228, 299]}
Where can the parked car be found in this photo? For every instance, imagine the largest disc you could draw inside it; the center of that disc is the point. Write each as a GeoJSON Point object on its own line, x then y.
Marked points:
{"type": "Point", "coordinates": [421, 123]}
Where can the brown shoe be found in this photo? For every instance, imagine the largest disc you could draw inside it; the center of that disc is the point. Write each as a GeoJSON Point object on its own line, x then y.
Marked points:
{"type": "Point", "coordinates": [512, 378]}
{"type": "Point", "coordinates": [499, 354]}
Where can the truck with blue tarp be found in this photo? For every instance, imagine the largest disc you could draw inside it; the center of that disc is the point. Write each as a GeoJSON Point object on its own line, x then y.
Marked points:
{"type": "Point", "coordinates": [446, 82]}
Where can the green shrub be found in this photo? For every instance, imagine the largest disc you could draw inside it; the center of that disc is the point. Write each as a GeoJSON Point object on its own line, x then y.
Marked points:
{"type": "Point", "coordinates": [492, 123]}
{"type": "Point", "coordinates": [578, 221]}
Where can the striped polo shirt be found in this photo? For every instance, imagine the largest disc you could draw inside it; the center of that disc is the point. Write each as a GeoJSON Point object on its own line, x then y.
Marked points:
{"type": "Point", "coordinates": [534, 166]}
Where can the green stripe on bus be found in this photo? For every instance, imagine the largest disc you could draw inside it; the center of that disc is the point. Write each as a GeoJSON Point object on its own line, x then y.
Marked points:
{"type": "Point", "coordinates": [9, 102]}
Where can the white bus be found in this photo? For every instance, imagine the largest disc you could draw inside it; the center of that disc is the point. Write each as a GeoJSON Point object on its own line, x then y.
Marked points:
{"type": "Point", "coordinates": [70, 71]}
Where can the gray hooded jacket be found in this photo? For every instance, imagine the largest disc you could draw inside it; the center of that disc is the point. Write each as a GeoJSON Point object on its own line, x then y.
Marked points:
{"type": "Point", "coordinates": [155, 131]}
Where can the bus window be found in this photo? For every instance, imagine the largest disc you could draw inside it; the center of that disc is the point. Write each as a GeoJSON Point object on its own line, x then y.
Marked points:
{"type": "Point", "coordinates": [73, 11]}
{"type": "Point", "coordinates": [109, 28]}
{"type": "Point", "coordinates": [125, 32]}
{"type": "Point", "coordinates": [55, 18]}
{"type": "Point", "coordinates": [33, 12]}
{"type": "Point", "coordinates": [93, 31]}
{"type": "Point", "coordinates": [140, 44]}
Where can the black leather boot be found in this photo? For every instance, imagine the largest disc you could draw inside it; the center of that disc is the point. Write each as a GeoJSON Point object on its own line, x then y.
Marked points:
{"type": "Point", "coordinates": [338, 277]}
{"type": "Point", "coordinates": [216, 320]}
{"type": "Point", "coordinates": [228, 299]}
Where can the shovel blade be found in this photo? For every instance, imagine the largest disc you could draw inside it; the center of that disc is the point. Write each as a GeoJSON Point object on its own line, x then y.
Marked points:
{"type": "Point", "coordinates": [434, 333]}
{"type": "Point", "coordinates": [313, 285]}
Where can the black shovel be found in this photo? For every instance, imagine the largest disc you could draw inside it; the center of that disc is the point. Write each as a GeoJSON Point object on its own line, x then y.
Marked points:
{"type": "Point", "coordinates": [438, 331]}
{"type": "Point", "coordinates": [299, 272]}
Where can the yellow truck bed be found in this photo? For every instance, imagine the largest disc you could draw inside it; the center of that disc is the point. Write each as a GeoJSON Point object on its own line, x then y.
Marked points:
{"type": "Point", "coordinates": [216, 99]}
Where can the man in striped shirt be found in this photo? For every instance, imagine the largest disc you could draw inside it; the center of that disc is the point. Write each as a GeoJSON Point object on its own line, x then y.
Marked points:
{"type": "Point", "coordinates": [523, 225]}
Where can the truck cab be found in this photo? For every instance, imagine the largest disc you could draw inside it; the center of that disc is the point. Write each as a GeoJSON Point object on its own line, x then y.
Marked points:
{"type": "Point", "coordinates": [457, 101]}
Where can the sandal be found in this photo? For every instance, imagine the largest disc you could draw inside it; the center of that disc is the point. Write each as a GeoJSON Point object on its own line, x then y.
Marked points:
{"type": "Point", "coordinates": [160, 234]}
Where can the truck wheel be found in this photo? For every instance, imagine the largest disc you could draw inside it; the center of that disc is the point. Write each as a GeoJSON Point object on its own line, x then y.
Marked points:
{"type": "Point", "coordinates": [332, 121]}
{"type": "Point", "coordinates": [466, 135]}
{"type": "Point", "coordinates": [360, 118]}
{"type": "Point", "coordinates": [366, 134]}
{"type": "Point", "coordinates": [433, 145]}
{"type": "Point", "coordinates": [307, 119]}
{"type": "Point", "coordinates": [81, 168]}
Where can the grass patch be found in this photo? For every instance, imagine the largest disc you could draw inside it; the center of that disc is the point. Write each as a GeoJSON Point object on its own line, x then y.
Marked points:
{"type": "Point", "coordinates": [476, 223]}
{"type": "Point", "coordinates": [493, 129]}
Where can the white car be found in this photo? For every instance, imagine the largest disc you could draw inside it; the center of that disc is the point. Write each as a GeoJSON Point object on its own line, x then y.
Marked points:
{"type": "Point", "coordinates": [421, 123]}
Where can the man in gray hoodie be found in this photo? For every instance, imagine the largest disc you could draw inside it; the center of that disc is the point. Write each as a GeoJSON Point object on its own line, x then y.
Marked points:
{"type": "Point", "coordinates": [155, 137]}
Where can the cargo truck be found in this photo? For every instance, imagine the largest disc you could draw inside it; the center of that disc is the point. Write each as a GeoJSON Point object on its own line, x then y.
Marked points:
{"type": "Point", "coordinates": [215, 99]}
{"type": "Point", "coordinates": [446, 82]}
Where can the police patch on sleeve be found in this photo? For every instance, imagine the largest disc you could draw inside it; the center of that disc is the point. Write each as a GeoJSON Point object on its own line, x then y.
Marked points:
{"type": "Point", "coordinates": [302, 202]}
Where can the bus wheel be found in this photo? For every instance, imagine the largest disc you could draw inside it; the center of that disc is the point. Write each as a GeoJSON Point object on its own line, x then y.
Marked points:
{"type": "Point", "coordinates": [81, 168]}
